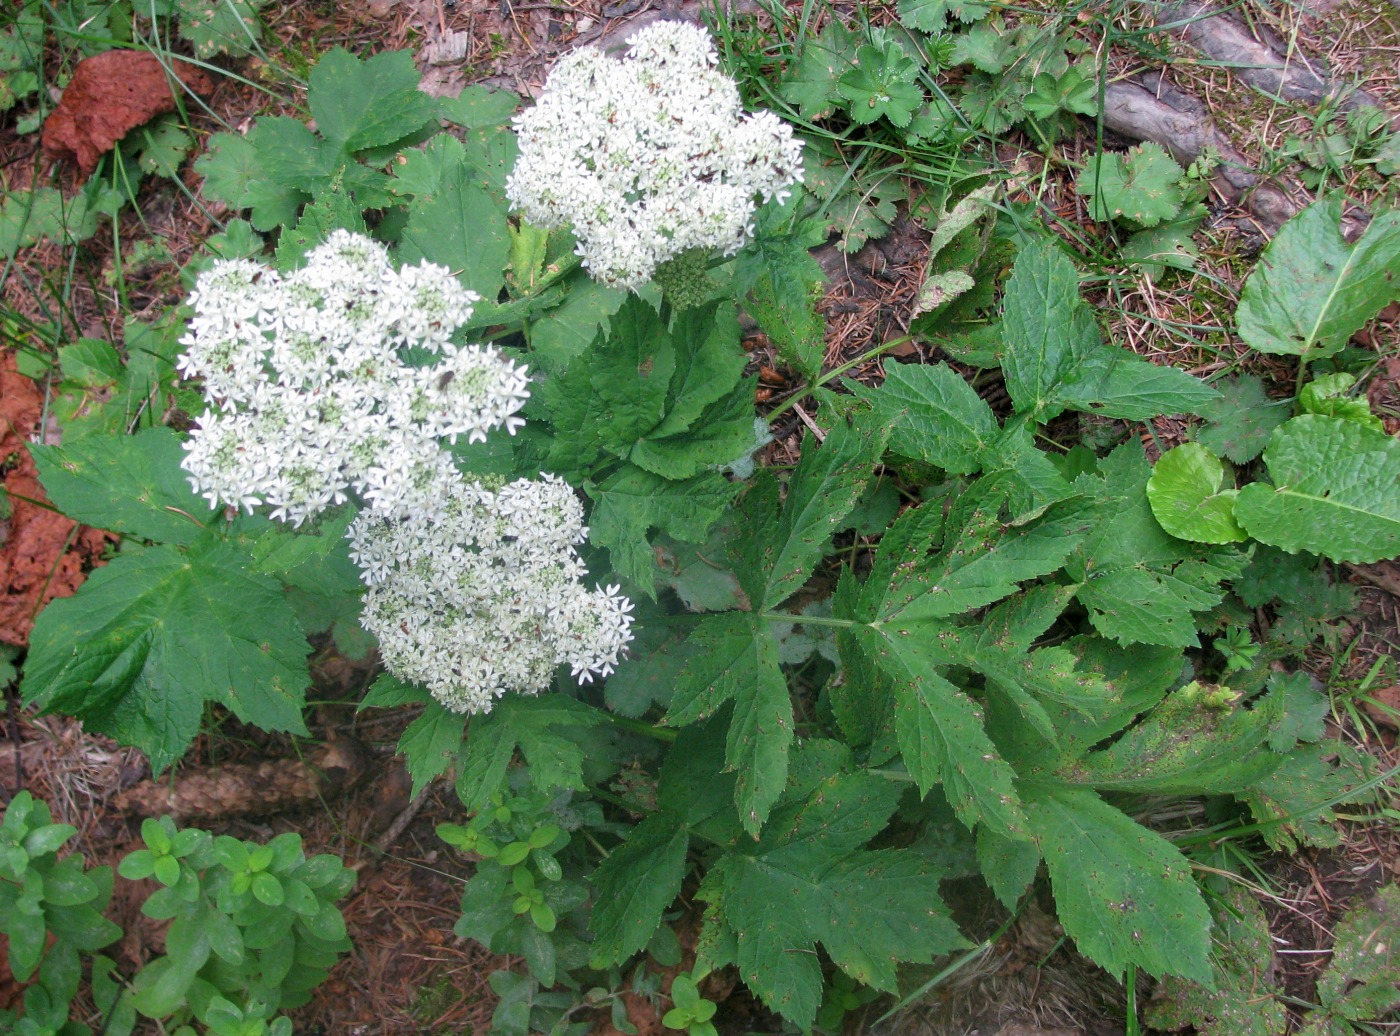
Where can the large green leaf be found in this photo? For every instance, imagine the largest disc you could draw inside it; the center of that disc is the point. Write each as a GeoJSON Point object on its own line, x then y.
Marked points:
{"type": "Point", "coordinates": [1191, 743]}
{"type": "Point", "coordinates": [1311, 290]}
{"type": "Point", "coordinates": [460, 226]}
{"type": "Point", "coordinates": [1055, 358]}
{"type": "Point", "coordinates": [1049, 332]}
{"type": "Point", "coordinates": [367, 104]}
{"type": "Point", "coordinates": [809, 881]}
{"type": "Point", "coordinates": [736, 659]}
{"type": "Point", "coordinates": [640, 879]}
{"type": "Point", "coordinates": [1239, 1004]}
{"type": "Point", "coordinates": [1335, 492]}
{"type": "Point", "coordinates": [934, 416]}
{"type": "Point", "coordinates": [131, 484]}
{"type": "Point", "coordinates": [1140, 584]}
{"type": "Point", "coordinates": [631, 374]}
{"type": "Point", "coordinates": [632, 502]}
{"type": "Point", "coordinates": [152, 636]}
{"type": "Point", "coordinates": [826, 485]}
{"type": "Point", "coordinates": [940, 733]}
{"type": "Point", "coordinates": [1123, 893]}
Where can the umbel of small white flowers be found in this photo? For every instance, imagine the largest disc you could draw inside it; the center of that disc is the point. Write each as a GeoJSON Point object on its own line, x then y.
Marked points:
{"type": "Point", "coordinates": [483, 595]}
{"type": "Point", "coordinates": [471, 592]}
{"type": "Point", "coordinates": [649, 156]}
{"type": "Point", "coordinates": [309, 399]}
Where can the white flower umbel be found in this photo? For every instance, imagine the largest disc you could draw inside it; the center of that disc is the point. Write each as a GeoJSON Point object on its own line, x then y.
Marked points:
{"type": "Point", "coordinates": [649, 156]}
{"type": "Point", "coordinates": [484, 596]}
{"type": "Point", "coordinates": [310, 399]}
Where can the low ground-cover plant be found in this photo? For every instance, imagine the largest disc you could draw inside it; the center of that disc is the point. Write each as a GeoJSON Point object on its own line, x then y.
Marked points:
{"type": "Point", "coordinates": [253, 928]}
{"type": "Point", "coordinates": [931, 649]}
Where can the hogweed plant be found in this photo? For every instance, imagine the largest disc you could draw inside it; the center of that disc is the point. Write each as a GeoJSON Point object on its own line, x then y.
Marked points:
{"type": "Point", "coordinates": [648, 157]}
{"type": "Point", "coordinates": [804, 698]}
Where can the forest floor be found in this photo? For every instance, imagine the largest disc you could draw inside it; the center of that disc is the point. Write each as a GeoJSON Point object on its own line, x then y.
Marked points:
{"type": "Point", "coordinates": [408, 972]}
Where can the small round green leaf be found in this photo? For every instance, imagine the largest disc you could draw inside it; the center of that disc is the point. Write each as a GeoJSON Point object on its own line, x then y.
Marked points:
{"type": "Point", "coordinates": [267, 889]}
{"type": "Point", "coordinates": [1187, 499]}
{"type": "Point", "coordinates": [543, 917]}
{"type": "Point", "coordinates": [138, 865]}
{"type": "Point", "coordinates": [167, 870]}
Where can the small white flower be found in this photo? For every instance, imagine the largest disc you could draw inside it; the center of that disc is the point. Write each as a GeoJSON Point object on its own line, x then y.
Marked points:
{"type": "Point", "coordinates": [649, 156]}
{"type": "Point", "coordinates": [485, 597]}
{"type": "Point", "coordinates": [309, 397]}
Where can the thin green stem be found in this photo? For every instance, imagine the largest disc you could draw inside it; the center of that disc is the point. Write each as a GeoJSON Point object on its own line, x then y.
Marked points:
{"type": "Point", "coordinates": [953, 968]}
{"type": "Point", "coordinates": [836, 372]}
{"type": "Point", "coordinates": [809, 620]}
{"type": "Point", "coordinates": [637, 726]}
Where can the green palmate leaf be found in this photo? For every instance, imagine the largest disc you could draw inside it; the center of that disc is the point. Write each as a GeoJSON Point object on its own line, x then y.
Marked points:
{"type": "Point", "coordinates": [1242, 968]}
{"type": "Point", "coordinates": [822, 491]}
{"type": "Point", "coordinates": [1141, 186]}
{"type": "Point", "coordinates": [1305, 711]}
{"type": "Point", "coordinates": [628, 505]}
{"type": "Point", "coordinates": [809, 881]}
{"type": "Point", "coordinates": [1311, 290]}
{"type": "Point", "coordinates": [367, 104]}
{"type": "Point", "coordinates": [1124, 893]}
{"type": "Point", "coordinates": [543, 731]}
{"type": "Point", "coordinates": [811, 81]}
{"type": "Point", "coordinates": [154, 634]}
{"type": "Point", "coordinates": [273, 170]}
{"type": "Point", "coordinates": [1362, 980]}
{"type": "Point", "coordinates": [1330, 396]}
{"type": "Point", "coordinates": [164, 146]}
{"type": "Point", "coordinates": [736, 659]}
{"type": "Point", "coordinates": [985, 48]}
{"type": "Point", "coordinates": [131, 484]}
{"type": "Point", "coordinates": [640, 879]}
{"type": "Point", "coordinates": [429, 744]}
{"type": "Point", "coordinates": [882, 83]}
{"type": "Point", "coordinates": [460, 226]}
{"type": "Point", "coordinates": [941, 736]}
{"type": "Point", "coordinates": [1239, 423]}
{"type": "Point", "coordinates": [1140, 584]}
{"type": "Point", "coordinates": [1335, 492]}
{"type": "Point", "coordinates": [1189, 496]}
{"type": "Point", "coordinates": [219, 26]}
{"type": "Point", "coordinates": [1191, 743]}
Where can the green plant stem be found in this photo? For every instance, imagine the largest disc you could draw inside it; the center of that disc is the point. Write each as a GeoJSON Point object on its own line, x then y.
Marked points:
{"type": "Point", "coordinates": [636, 726]}
{"type": "Point", "coordinates": [835, 372]}
{"type": "Point", "coordinates": [810, 620]}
